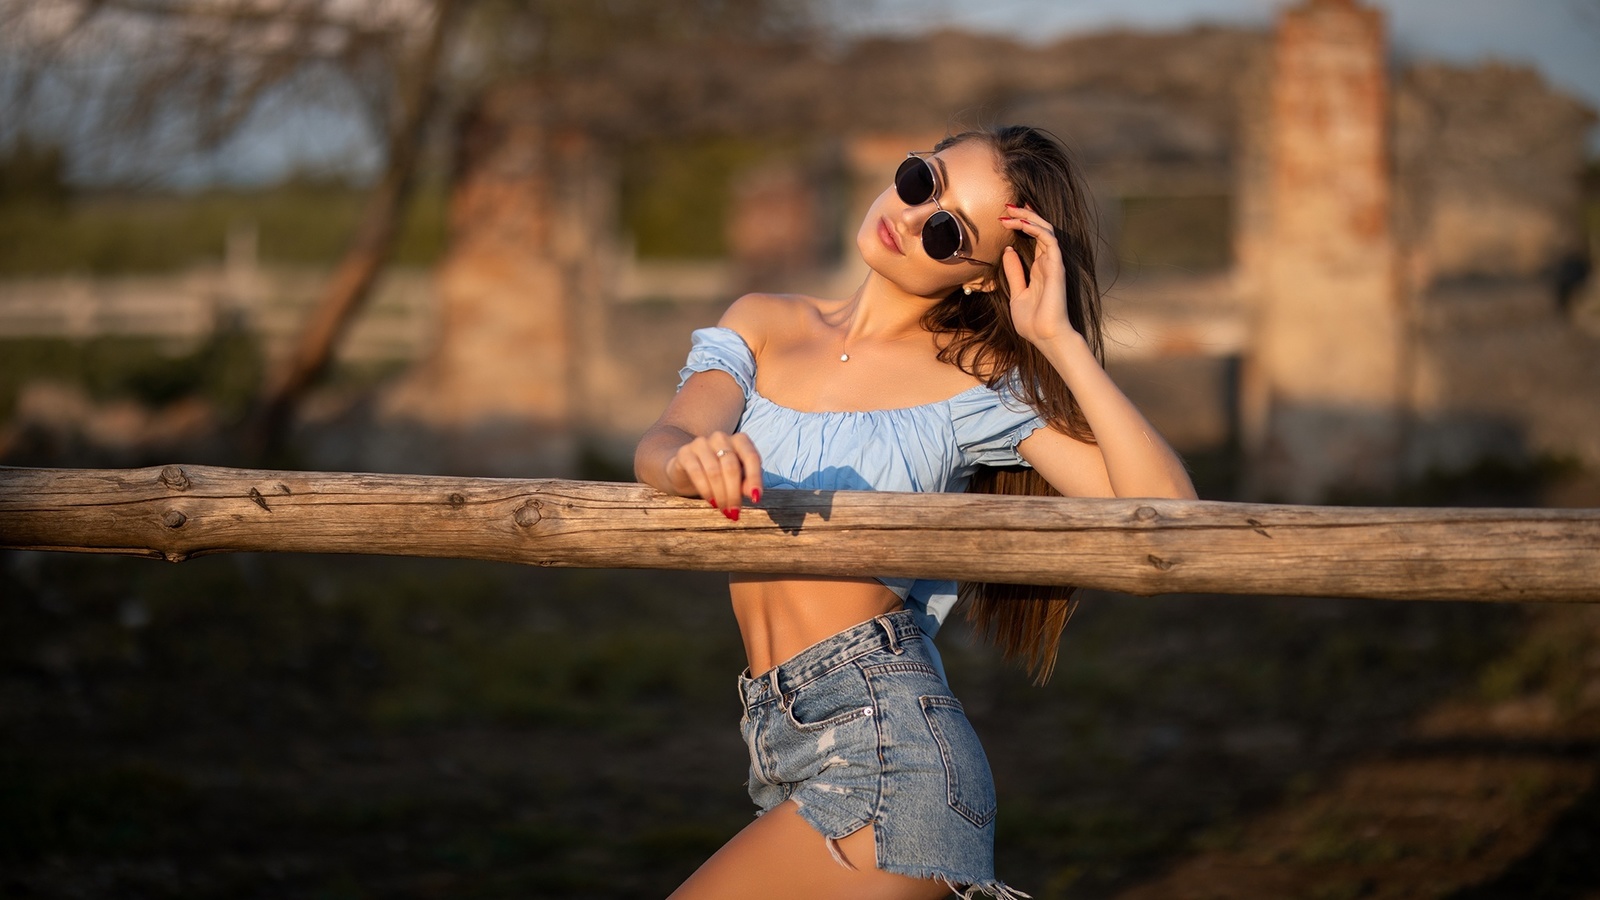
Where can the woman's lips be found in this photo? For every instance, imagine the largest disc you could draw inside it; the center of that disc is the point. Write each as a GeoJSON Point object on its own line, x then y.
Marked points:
{"type": "Point", "coordinates": [888, 236]}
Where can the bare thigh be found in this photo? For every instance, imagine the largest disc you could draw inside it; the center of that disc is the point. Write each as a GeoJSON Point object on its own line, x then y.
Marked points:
{"type": "Point", "coordinates": [780, 855]}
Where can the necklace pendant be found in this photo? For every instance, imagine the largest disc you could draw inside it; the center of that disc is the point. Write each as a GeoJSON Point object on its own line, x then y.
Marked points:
{"type": "Point", "coordinates": [844, 357]}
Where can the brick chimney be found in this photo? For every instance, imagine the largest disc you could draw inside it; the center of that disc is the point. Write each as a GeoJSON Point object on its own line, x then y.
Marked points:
{"type": "Point", "coordinates": [1323, 382]}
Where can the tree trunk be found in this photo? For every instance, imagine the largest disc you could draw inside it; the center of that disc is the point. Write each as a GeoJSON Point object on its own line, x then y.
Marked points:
{"type": "Point", "coordinates": [351, 283]}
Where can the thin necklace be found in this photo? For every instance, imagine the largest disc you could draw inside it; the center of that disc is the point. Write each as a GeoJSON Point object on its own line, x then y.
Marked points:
{"type": "Point", "coordinates": [844, 342]}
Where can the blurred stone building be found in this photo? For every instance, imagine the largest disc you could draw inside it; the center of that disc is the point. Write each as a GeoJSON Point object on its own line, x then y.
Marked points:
{"type": "Point", "coordinates": [1349, 270]}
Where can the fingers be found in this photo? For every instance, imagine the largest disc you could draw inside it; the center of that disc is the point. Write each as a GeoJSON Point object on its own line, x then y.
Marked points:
{"type": "Point", "coordinates": [1016, 278]}
{"type": "Point", "coordinates": [750, 462]}
{"type": "Point", "coordinates": [1025, 220]}
{"type": "Point", "coordinates": [1038, 301]}
{"type": "Point", "coordinates": [1047, 262]}
{"type": "Point", "coordinates": [727, 477]}
{"type": "Point", "coordinates": [722, 469]}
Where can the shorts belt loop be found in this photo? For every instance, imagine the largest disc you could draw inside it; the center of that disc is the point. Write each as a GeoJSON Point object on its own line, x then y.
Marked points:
{"type": "Point", "coordinates": [888, 630]}
{"type": "Point", "coordinates": [776, 687]}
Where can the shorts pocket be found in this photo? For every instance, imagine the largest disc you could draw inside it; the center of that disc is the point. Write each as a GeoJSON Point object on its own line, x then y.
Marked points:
{"type": "Point", "coordinates": [839, 697]}
{"type": "Point", "coordinates": [966, 768]}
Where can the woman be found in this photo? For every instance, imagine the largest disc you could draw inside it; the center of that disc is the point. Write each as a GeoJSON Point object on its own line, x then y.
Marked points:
{"type": "Point", "coordinates": [973, 343]}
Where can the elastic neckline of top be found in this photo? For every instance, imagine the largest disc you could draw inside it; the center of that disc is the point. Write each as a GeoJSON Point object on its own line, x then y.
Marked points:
{"type": "Point", "coordinates": [756, 394]}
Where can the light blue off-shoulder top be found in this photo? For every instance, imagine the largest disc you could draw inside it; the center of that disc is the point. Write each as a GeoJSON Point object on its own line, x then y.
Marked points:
{"type": "Point", "coordinates": [932, 447]}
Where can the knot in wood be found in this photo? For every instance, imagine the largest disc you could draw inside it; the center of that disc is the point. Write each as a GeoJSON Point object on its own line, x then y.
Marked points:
{"type": "Point", "coordinates": [456, 501]}
{"type": "Point", "coordinates": [1162, 565]}
{"type": "Point", "coordinates": [174, 477]}
{"type": "Point", "coordinates": [528, 515]}
{"type": "Point", "coordinates": [172, 518]}
{"type": "Point", "coordinates": [1145, 513]}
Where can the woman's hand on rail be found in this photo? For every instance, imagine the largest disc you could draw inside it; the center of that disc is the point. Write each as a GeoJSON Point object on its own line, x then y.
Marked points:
{"type": "Point", "coordinates": [721, 468]}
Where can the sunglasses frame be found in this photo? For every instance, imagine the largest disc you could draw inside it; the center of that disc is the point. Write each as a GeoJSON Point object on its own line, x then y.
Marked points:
{"type": "Point", "coordinates": [933, 194]}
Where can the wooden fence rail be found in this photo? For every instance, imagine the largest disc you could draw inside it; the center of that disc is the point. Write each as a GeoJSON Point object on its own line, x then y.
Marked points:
{"type": "Point", "coordinates": [1136, 546]}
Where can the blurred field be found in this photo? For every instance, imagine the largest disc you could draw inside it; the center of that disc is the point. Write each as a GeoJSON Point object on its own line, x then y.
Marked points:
{"type": "Point", "coordinates": [225, 370]}
{"type": "Point", "coordinates": [351, 727]}
{"type": "Point", "coordinates": [300, 223]}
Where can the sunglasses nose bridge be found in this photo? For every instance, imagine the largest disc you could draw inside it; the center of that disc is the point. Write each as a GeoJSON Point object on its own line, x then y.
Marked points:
{"type": "Point", "coordinates": [918, 218]}
{"type": "Point", "coordinates": [931, 201]}
{"type": "Point", "coordinates": [916, 215]}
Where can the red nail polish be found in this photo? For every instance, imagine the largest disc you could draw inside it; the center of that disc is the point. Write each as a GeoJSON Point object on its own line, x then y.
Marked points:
{"type": "Point", "coordinates": [733, 514]}
{"type": "Point", "coordinates": [713, 503]}
{"type": "Point", "coordinates": [755, 496]}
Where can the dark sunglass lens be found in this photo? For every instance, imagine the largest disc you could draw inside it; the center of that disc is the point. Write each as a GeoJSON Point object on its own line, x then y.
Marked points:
{"type": "Point", "coordinates": [913, 181]}
{"type": "Point", "coordinates": [941, 235]}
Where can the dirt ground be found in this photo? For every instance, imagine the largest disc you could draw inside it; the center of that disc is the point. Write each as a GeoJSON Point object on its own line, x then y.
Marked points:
{"type": "Point", "coordinates": [323, 727]}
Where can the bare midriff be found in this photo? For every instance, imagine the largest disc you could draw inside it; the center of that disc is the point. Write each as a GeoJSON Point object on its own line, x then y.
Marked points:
{"type": "Point", "coordinates": [780, 615]}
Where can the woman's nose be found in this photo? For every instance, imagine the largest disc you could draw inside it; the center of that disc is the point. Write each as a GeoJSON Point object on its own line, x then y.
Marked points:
{"type": "Point", "coordinates": [915, 216]}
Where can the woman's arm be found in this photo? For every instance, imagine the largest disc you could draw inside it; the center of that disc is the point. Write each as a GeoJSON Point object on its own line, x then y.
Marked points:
{"type": "Point", "coordinates": [692, 450]}
{"type": "Point", "coordinates": [1129, 458]}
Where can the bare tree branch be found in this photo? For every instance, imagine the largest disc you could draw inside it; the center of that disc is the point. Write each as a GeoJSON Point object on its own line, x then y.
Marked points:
{"type": "Point", "coordinates": [353, 279]}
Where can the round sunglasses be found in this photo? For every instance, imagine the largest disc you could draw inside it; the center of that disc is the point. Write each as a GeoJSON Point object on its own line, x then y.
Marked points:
{"type": "Point", "coordinates": [943, 238]}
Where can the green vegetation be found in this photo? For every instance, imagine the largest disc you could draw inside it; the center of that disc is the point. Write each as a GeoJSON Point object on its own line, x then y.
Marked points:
{"type": "Point", "coordinates": [1552, 662]}
{"type": "Point", "coordinates": [346, 726]}
{"type": "Point", "coordinates": [500, 697]}
{"type": "Point", "coordinates": [675, 194]}
{"type": "Point", "coordinates": [301, 223]}
{"type": "Point", "coordinates": [33, 173]}
{"type": "Point", "coordinates": [225, 370]}
{"type": "Point", "coordinates": [1170, 719]}
{"type": "Point", "coordinates": [1342, 837]}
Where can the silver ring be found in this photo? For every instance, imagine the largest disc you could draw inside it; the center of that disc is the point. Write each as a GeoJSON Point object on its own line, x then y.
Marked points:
{"type": "Point", "coordinates": [721, 453]}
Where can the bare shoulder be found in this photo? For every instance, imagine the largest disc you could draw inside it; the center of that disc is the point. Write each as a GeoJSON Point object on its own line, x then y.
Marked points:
{"type": "Point", "coordinates": [759, 318]}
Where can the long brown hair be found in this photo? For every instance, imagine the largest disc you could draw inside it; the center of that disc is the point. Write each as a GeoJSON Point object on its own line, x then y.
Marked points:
{"type": "Point", "coordinates": [1026, 621]}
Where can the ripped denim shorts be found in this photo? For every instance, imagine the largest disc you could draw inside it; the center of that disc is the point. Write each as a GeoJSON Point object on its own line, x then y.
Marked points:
{"type": "Point", "coordinates": [860, 729]}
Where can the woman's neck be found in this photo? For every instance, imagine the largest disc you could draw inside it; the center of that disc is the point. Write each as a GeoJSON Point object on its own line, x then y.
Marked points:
{"type": "Point", "coordinates": [880, 312]}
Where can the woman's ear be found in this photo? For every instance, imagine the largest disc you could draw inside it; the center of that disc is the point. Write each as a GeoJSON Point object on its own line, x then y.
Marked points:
{"type": "Point", "coordinates": [980, 285]}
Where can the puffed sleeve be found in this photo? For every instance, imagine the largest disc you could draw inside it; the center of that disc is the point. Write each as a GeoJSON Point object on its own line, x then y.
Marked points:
{"type": "Point", "coordinates": [722, 349]}
{"type": "Point", "coordinates": [989, 424]}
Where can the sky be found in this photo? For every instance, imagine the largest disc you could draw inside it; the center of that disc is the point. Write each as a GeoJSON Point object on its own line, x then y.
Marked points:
{"type": "Point", "coordinates": [1561, 38]}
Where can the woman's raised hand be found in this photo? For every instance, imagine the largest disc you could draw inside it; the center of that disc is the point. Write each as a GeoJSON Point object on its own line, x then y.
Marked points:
{"type": "Point", "coordinates": [1038, 296]}
{"type": "Point", "coordinates": [721, 468]}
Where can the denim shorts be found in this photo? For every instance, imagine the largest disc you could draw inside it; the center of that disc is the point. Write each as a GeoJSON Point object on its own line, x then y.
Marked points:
{"type": "Point", "coordinates": [860, 729]}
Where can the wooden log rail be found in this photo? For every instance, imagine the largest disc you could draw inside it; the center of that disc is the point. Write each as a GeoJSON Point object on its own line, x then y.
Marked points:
{"type": "Point", "coordinates": [1135, 546]}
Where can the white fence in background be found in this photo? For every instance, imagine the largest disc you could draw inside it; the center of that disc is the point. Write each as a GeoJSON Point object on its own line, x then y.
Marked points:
{"type": "Point", "coordinates": [183, 309]}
